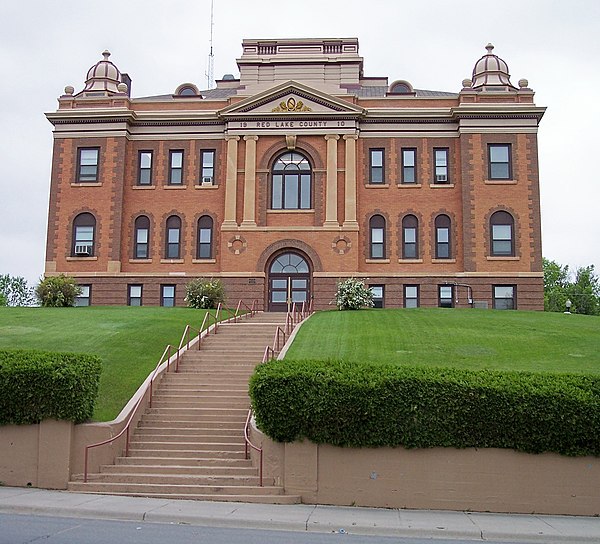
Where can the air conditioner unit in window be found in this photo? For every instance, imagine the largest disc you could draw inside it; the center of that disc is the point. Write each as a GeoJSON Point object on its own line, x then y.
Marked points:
{"type": "Point", "coordinates": [441, 178]}
{"type": "Point", "coordinates": [207, 180]}
{"type": "Point", "coordinates": [82, 250]}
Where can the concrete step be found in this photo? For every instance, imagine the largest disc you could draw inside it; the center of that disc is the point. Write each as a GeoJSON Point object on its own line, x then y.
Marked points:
{"type": "Point", "coordinates": [260, 499]}
{"type": "Point", "coordinates": [201, 389]}
{"type": "Point", "coordinates": [186, 462]}
{"type": "Point", "coordinates": [157, 421]}
{"type": "Point", "coordinates": [180, 445]}
{"type": "Point", "coordinates": [191, 431]}
{"type": "Point", "coordinates": [170, 489]}
{"type": "Point", "coordinates": [195, 453]}
{"type": "Point", "coordinates": [175, 479]}
{"type": "Point", "coordinates": [200, 402]}
{"type": "Point", "coordinates": [241, 412]}
{"type": "Point", "coordinates": [197, 438]}
{"type": "Point", "coordinates": [199, 470]}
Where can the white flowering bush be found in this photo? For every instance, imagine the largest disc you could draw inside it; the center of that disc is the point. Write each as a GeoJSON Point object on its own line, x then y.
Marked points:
{"type": "Point", "coordinates": [204, 294]}
{"type": "Point", "coordinates": [353, 294]}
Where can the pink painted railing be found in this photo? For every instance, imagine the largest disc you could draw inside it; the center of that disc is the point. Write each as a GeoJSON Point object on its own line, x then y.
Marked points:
{"type": "Point", "coordinates": [170, 352]}
{"type": "Point", "coordinates": [293, 317]}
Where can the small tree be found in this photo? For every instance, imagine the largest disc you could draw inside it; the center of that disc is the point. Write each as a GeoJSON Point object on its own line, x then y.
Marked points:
{"type": "Point", "coordinates": [353, 294]}
{"type": "Point", "coordinates": [204, 294]}
{"type": "Point", "coordinates": [15, 291]}
{"type": "Point", "coordinates": [57, 291]}
{"type": "Point", "coordinates": [2, 299]}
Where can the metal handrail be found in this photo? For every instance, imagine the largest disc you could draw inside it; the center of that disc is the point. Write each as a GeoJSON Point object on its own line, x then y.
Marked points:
{"type": "Point", "coordinates": [149, 387]}
{"type": "Point", "coordinates": [132, 415]}
{"type": "Point", "coordinates": [256, 448]}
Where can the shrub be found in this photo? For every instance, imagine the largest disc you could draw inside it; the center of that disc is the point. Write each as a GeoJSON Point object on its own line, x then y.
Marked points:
{"type": "Point", "coordinates": [39, 385]}
{"type": "Point", "coordinates": [57, 291]}
{"type": "Point", "coordinates": [374, 405]}
{"type": "Point", "coordinates": [204, 294]}
{"type": "Point", "coordinates": [15, 291]}
{"type": "Point", "coordinates": [353, 294]}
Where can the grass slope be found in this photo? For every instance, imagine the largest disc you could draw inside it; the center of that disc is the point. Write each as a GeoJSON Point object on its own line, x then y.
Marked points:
{"type": "Point", "coordinates": [474, 339]}
{"type": "Point", "coordinates": [129, 341]}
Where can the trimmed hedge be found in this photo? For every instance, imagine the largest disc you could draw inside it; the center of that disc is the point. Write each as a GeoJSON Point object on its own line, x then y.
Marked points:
{"type": "Point", "coordinates": [37, 385]}
{"type": "Point", "coordinates": [373, 405]}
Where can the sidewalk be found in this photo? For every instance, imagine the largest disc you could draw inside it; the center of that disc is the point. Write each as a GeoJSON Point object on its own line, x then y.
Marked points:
{"type": "Point", "coordinates": [305, 517]}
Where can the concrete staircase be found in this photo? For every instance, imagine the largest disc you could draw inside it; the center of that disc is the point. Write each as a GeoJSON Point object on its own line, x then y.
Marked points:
{"type": "Point", "coordinates": [190, 444]}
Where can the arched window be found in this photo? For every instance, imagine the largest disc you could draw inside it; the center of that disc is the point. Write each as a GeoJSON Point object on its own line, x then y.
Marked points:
{"type": "Point", "coordinates": [410, 237]}
{"type": "Point", "coordinates": [173, 238]}
{"type": "Point", "coordinates": [377, 237]}
{"type": "Point", "coordinates": [84, 235]}
{"type": "Point", "coordinates": [205, 235]}
{"type": "Point", "coordinates": [142, 238]}
{"type": "Point", "coordinates": [442, 237]}
{"type": "Point", "coordinates": [291, 183]}
{"type": "Point", "coordinates": [502, 233]}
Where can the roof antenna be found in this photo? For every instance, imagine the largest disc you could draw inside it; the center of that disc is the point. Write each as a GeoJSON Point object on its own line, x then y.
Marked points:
{"type": "Point", "coordinates": [210, 74]}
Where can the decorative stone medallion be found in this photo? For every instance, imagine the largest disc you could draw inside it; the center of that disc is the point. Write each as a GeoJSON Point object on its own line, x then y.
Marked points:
{"type": "Point", "coordinates": [237, 244]}
{"type": "Point", "coordinates": [341, 245]}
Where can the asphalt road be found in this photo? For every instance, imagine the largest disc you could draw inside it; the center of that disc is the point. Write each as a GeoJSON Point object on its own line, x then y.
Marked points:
{"type": "Point", "coordinates": [27, 529]}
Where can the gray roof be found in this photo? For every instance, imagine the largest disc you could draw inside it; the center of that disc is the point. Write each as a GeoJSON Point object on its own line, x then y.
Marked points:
{"type": "Point", "coordinates": [366, 91]}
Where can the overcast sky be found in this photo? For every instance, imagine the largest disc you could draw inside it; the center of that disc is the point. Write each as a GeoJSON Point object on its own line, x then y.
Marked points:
{"type": "Point", "coordinates": [47, 44]}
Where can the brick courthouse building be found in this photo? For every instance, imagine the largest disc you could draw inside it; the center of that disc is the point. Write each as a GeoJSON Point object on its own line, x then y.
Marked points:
{"type": "Point", "coordinates": [300, 173]}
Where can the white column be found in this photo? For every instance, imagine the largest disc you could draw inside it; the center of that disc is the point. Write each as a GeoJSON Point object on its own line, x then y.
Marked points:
{"type": "Point", "coordinates": [331, 219]}
{"type": "Point", "coordinates": [249, 219]}
{"type": "Point", "coordinates": [231, 182]}
{"type": "Point", "coordinates": [350, 187]}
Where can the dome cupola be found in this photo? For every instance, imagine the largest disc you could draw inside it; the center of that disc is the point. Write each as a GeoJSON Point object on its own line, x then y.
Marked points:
{"type": "Point", "coordinates": [102, 78]}
{"type": "Point", "coordinates": [491, 72]}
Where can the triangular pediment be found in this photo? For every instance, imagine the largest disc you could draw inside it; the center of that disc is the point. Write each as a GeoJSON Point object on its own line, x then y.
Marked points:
{"type": "Point", "coordinates": [291, 98]}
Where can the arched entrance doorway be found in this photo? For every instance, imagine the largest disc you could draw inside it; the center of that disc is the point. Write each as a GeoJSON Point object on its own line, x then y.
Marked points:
{"type": "Point", "coordinates": [288, 281]}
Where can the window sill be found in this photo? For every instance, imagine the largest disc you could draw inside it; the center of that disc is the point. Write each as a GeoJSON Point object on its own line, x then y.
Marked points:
{"type": "Point", "coordinates": [174, 186]}
{"type": "Point", "coordinates": [442, 185]}
{"type": "Point", "coordinates": [409, 185]}
{"type": "Point", "coordinates": [143, 187]}
{"type": "Point", "coordinates": [377, 185]}
{"type": "Point", "coordinates": [207, 186]}
{"type": "Point", "coordinates": [376, 261]}
{"type": "Point", "coordinates": [171, 261]}
{"type": "Point", "coordinates": [500, 181]}
{"type": "Point", "coordinates": [82, 258]}
{"type": "Point", "coordinates": [410, 261]}
{"type": "Point", "coordinates": [86, 184]}
{"type": "Point", "coordinates": [503, 258]}
{"type": "Point", "coordinates": [204, 261]}
{"type": "Point", "coordinates": [291, 211]}
{"type": "Point", "coordinates": [443, 261]}
{"type": "Point", "coordinates": [140, 261]}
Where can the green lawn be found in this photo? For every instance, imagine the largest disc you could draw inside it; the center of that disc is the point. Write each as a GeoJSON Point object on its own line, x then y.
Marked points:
{"type": "Point", "coordinates": [470, 338]}
{"type": "Point", "coordinates": [129, 341]}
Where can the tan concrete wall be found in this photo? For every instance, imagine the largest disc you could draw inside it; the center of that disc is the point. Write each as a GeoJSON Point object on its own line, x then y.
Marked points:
{"type": "Point", "coordinates": [36, 455]}
{"type": "Point", "coordinates": [479, 480]}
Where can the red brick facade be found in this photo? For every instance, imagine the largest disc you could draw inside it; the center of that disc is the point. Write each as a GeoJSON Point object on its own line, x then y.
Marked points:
{"type": "Point", "coordinates": [338, 124]}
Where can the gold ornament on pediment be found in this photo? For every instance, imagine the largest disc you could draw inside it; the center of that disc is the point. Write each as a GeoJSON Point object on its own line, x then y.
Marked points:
{"type": "Point", "coordinates": [291, 105]}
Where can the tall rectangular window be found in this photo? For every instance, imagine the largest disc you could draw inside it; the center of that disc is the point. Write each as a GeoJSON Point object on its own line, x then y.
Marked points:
{"type": "Point", "coordinates": [378, 295]}
{"type": "Point", "coordinates": [134, 296]}
{"type": "Point", "coordinates": [504, 297]}
{"type": "Point", "coordinates": [376, 165]}
{"type": "Point", "coordinates": [446, 296]}
{"type": "Point", "coordinates": [167, 295]}
{"type": "Point", "coordinates": [85, 296]}
{"type": "Point", "coordinates": [207, 166]}
{"type": "Point", "coordinates": [87, 164]}
{"type": "Point", "coordinates": [500, 164]}
{"type": "Point", "coordinates": [145, 168]}
{"type": "Point", "coordinates": [441, 166]}
{"type": "Point", "coordinates": [176, 167]}
{"type": "Point", "coordinates": [411, 296]}
{"type": "Point", "coordinates": [409, 166]}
